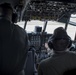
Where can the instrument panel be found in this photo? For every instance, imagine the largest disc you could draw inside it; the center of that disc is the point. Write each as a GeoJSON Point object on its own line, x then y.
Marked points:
{"type": "Point", "coordinates": [38, 40]}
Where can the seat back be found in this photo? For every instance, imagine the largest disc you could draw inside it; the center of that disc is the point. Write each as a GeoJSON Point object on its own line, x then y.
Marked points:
{"type": "Point", "coordinates": [29, 67]}
{"type": "Point", "coordinates": [70, 72]}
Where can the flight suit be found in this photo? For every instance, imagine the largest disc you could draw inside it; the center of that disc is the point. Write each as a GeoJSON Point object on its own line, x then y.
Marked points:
{"type": "Point", "coordinates": [57, 64]}
{"type": "Point", "coordinates": [13, 48]}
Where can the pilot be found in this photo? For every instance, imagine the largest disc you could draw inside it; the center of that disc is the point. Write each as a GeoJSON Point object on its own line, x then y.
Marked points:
{"type": "Point", "coordinates": [62, 59]}
{"type": "Point", "coordinates": [13, 43]}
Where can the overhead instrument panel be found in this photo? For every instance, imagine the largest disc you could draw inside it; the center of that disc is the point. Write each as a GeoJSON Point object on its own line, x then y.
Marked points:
{"type": "Point", "coordinates": [48, 10]}
{"type": "Point", "coordinates": [66, 1]}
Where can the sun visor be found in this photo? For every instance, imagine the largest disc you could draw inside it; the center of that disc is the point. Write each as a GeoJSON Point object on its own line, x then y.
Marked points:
{"type": "Point", "coordinates": [64, 18]}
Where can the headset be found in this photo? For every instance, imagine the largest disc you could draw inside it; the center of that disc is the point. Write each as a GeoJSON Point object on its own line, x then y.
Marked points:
{"type": "Point", "coordinates": [6, 6]}
{"type": "Point", "coordinates": [52, 39]}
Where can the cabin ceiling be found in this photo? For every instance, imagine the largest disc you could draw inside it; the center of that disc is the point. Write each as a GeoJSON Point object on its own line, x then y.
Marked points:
{"type": "Point", "coordinates": [49, 9]}
{"type": "Point", "coordinates": [14, 3]}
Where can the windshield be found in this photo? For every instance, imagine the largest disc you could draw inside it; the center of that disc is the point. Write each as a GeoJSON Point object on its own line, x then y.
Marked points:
{"type": "Point", "coordinates": [51, 25]}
